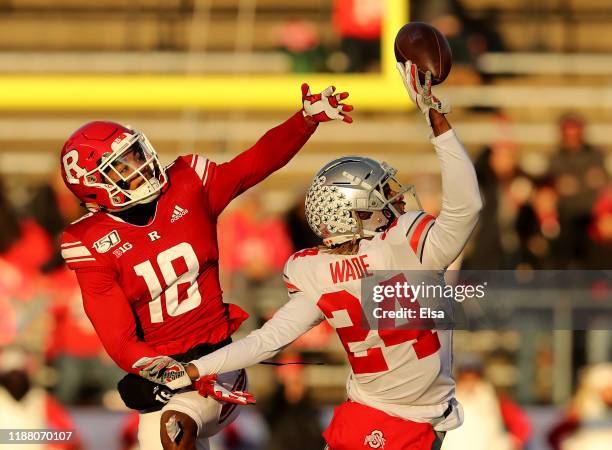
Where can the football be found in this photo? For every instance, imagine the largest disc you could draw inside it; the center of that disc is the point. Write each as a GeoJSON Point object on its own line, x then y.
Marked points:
{"type": "Point", "coordinates": [426, 47]}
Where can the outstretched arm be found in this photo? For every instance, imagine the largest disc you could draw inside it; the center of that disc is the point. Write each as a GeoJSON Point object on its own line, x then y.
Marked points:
{"type": "Point", "coordinates": [438, 243]}
{"type": "Point", "coordinates": [461, 203]}
{"type": "Point", "coordinates": [292, 320]}
{"type": "Point", "coordinates": [274, 149]}
{"type": "Point", "coordinates": [271, 152]}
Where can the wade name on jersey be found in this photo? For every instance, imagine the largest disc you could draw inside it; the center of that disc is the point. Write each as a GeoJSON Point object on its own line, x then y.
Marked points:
{"type": "Point", "coordinates": [353, 268]}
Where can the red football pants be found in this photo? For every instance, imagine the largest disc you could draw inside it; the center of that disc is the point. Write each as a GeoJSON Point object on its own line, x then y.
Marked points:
{"type": "Point", "coordinates": [359, 427]}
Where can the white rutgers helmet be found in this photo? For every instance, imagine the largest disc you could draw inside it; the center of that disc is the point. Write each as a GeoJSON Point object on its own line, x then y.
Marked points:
{"type": "Point", "coordinates": [354, 197]}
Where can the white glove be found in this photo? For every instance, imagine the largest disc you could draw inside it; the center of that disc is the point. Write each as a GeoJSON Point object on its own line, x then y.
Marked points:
{"type": "Point", "coordinates": [325, 106]}
{"type": "Point", "coordinates": [421, 95]}
{"type": "Point", "coordinates": [163, 370]}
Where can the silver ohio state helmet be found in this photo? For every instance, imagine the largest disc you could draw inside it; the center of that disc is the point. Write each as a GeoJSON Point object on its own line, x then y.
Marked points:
{"type": "Point", "coordinates": [345, 190]}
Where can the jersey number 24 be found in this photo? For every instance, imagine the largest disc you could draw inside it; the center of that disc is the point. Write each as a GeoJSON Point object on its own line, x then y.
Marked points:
{"type": "Point", "coordinates": [425, 343]}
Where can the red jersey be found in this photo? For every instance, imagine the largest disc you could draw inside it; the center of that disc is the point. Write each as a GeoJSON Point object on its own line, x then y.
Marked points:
{"type": "Point", "coordinates": [154, 289]}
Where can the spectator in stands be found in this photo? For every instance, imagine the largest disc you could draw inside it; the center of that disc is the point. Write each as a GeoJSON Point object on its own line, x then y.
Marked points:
{"type": "Point", "coordinates": [483, 34]}
{"type": "Point", "coordinates": [359, 25]}
{"type": "Point", "coordinates": [24, 248]}
{"type": "Point", "coordinates": [302, 42]}
{"type": "Point", "coordinates": [506, 189]}
{"type": "Point", "coordinates": [600, 232]}
{"type": "Point", "coordinates": [464, 62]}
{"type": "Point", "coordinates": [491, 421]}
{"type": "Point", "coordinates": [453, 28]}
{"type": "Point", "coordinates": [73, 345]}
{"type": "Point", "coordinates": [44, 209]}
{"type": "Point", "coordinates": [26, 406]}
{"type": "Point", "coordinates": [480, 32]}
{"type": "Point", "coordinates": [9, 275]}
{"type": "Point", "coordinates": [248, 432]}
{"type": "Point", "coordinates": [128, 437]}
{"type": "Point", "coordinates": [52, 207]}
{"type": "Point", "coordinates": [579, 173]}
{"type": "Point", "coordinates": [587, 424]}
{"type": "Point", "coordinates": [299, 231]}
{"type": "Point", "coordinates": [8, 317]}
{"type": "Point", "coordinates": [469, 37]}
{"type": "Point", "coordinates": [253, 249]}
{"type": "Point", "coordinates": [538, 227]}
{"type": "Point", "coordinates": [291, 413]}
{"type": "Point", "coordinates": [9, 224]}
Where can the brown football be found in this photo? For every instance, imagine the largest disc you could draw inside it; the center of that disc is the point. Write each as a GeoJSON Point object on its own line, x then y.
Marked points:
{"type": "Point", "coordinates": [426, 47]}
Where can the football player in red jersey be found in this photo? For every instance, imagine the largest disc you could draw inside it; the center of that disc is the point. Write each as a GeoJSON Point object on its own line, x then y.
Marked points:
{"type": "Point", "coordinates": [146, 259]}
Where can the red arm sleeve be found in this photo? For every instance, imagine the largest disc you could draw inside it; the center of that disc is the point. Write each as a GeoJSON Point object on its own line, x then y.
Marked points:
{"type": "Point", "coordinates": [271, 152]}
{"type": "Point", "coordinates": [129, 431]}
{"type": "Point", "coordinates": [59, 419]}
{"type": "Point", "coordinates": [561, 431]}
{"type": "Point", "coordinates": [516, 420]}
{"type": "Point", "coordinates": [112, 317]}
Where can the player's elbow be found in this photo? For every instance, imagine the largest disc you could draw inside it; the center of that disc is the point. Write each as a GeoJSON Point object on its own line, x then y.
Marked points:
{"type": "Point", "coordinates": [123, 355]}
{"type": "Point", "coordinates": [120, 359]}
{"type": "Point", "coordinates": [472, 215]}
{"type": "Point", "coordinates": [466, 218]}
{"type": "Point", "coordinates": [476, 207]}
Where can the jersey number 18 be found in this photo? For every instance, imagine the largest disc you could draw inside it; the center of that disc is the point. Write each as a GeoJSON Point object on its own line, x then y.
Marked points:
{"type": "Point", "coordinates": [165, 259]}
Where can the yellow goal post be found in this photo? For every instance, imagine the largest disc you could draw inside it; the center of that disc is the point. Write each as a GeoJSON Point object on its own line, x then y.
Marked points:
{"type": "Point", "coordinates": [224, 92]}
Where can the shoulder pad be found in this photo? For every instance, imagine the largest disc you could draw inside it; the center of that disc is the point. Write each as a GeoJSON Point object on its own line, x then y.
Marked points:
{"type": "Point", "coordinates": [200, 165]}
{"type": "Point", "coordinates": [75, 252]}
{"type": "Point", "coordinates": [410, 228]}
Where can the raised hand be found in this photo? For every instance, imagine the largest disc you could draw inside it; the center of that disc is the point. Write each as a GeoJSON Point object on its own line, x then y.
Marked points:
{"type": "Point", "coordinates": [326, 105]}
{"type": "Point", "coordinates": [421, 95]}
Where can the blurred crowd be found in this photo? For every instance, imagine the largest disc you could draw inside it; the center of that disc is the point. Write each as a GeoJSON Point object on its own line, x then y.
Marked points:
{"type": "Point", "coordinates": [357, 26]}
{"type": "Point", "coordinates": [560, 219]}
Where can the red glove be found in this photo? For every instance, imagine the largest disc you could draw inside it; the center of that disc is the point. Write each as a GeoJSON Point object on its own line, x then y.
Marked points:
{"type": "Point", "coordinates": [325, 106]}
{"type": "Point", "coordinates": [208, 386]}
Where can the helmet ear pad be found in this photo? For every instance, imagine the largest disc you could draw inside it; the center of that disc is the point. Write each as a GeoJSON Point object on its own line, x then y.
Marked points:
{"type": "Point", "coordinates": [377, 221]}
{"type": "Point", "coordinates": [388, 213]}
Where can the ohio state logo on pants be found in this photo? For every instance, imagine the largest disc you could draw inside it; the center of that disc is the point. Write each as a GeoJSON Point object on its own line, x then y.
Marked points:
{"type": "Point", "coordinates": [375, 439]}
{"type": "Point", "coordinates": [352, 428]}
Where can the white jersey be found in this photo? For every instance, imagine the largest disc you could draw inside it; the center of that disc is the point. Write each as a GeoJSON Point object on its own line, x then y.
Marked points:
{"type": "Point", "coordinates": [401, 372]}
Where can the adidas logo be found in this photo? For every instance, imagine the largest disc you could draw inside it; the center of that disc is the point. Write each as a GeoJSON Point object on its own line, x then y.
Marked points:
{"type": "Point", "coordinates": [178, 213]}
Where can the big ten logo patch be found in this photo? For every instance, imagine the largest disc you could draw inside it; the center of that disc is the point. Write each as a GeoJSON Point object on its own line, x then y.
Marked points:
{"type": "Point", "coordinates": [122, 249]}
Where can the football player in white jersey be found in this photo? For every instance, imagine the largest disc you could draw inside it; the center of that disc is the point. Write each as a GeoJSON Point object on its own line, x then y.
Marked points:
{"type": "Point", "coordinates": [400, 389]}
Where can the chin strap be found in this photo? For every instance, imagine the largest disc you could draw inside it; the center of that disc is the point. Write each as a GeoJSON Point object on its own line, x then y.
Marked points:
{"type": "Point", "coordinates": [92, 207]}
